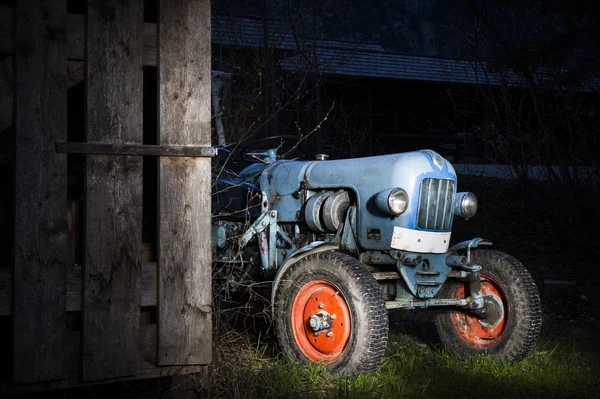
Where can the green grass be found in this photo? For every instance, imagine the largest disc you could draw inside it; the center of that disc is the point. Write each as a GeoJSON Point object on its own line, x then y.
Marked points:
{"type": "Point", "coordinates": [412, 369]}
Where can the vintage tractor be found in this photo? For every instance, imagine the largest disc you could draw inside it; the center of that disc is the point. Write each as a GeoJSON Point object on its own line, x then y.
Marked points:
{"type": "Point", "coordinates": [345, 240]}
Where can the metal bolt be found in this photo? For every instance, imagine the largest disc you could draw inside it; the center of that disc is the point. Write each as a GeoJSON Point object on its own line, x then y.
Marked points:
{"type": "Point", "coordinates": [273, 214]}
{"type": "Point", "coordinates": [317, 334]}
{"type": "Point", "coordinates": [329, 334]}
{"type": "Point", "coordinates": [321, 306]}
{"type": "Point", "coordinates": [333, 316]}
{"type": "Point", "coordinates": [312, 322]}
{"type": "Point", "coordinates": [264, 223]}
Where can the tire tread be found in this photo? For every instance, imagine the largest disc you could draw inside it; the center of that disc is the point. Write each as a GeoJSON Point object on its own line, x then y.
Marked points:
{"type": "Point", "coordinates": [527, 303]}
{"type": "Point", "coordinates": [377, 335]}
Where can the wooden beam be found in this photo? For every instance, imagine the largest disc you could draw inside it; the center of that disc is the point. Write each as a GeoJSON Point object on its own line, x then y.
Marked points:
{"type": "Point", "coordinates": [137, 149]}
{"type": "Point", "coordinates": [73, 302]}
{"type": "Point", "coordinates": [184, 251]}
{"type": "Point", "coordinates": [41, 232]}
{"type": "Point", "coordinates": [148, 286]}
{"type": "Point", "coordinates": [74, 382]}
{"type": "Point", "coordinates": [112, 264]}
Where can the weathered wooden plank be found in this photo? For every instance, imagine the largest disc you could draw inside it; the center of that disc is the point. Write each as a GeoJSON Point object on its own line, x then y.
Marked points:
{"type": "Point", "coordinates": [184, 256]}
{"type": "Point", "coordinates": [75, 36]}
{"type": "Point", "coordinates": [145, 373]}
{"type": "Point", "coordinates": [75, 54]}
{"type": "Point", "coordinates": [149, 44]}
{"type": "Point", "coordinates": [7, 44]}
{"type": "Point", "coordinates": [5, 291]}
{"type": "Point", "coordinates": [7, 90]}
{"type": "Point", "coordinates": [73, 302]}
{"type": "Point", "coordinates": [148, 346]}
{"type": "Point", "coordinates": [136, 149]}
{"type": "Point", "coordinates": [112, 266]}
{"type": "Point", "coordinates": [73, 288]}
{"type": "Point", "coordinates": [148, 286]}
{"type": "Point", "coordinates": [41, 236]}
{"type": "Point", "coordinates": [75, 26]}
{"type": "Point", "coordinates": [75, 72]}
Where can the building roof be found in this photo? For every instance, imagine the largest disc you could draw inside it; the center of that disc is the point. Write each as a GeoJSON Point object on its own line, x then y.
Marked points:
{"type": "Point", "coordinates": [248, 32]}
{"type": "Point", "coordinates": [393, 66]}
{"type": "Point", "coordinates": [364, 59]}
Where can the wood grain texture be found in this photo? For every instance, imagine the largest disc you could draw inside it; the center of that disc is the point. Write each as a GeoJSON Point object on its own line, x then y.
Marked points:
{"type": "Point", "coordinates": [112, 265]}
{"type": "Point", "coordinates": [75, 36]}
{"type": "Point", "coordinates": [73, 303]}
{"type": "Point", "coordinates": [5, 291]}
{"type": "Point", "coordinates": [74, 382]}
{"type": "Point", "coordinates": [41, 232]}
{"type": "Point", "coordinates": [184, 257]}
{"type": "Point", "coordinates": [7, 90]}
{"type": "Point", "coordinates": [136, 149]}
{"type": "Point", "coordinates": [75, 54]}
{"type": "Point", "coordinates": [7, 34]}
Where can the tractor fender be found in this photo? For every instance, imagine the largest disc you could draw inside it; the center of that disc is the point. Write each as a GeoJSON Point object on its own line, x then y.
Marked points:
{"type": "Point", "coordinates": [312, 248]}
{"type": "Point", "coordinates": [473, 243]}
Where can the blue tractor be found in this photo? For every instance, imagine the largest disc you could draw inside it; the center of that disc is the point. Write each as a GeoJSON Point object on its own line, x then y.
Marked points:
{"type": "Point", "coordinates": [345, 240]}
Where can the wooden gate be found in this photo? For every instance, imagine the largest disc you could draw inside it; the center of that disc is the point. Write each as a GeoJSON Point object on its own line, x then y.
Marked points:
{"type": "Point", "coordinates": [71, 324]}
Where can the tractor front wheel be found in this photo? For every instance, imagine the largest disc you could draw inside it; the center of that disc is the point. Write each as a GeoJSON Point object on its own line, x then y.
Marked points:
{"type": "Point", "coordinates": [328, 309]}
{"type": "Point", "coordinates": [514, 318]}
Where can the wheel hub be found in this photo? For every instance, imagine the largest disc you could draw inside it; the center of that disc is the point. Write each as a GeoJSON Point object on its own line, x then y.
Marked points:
{"type": "Point", "coordinates": [486, 330]}
{"type": "Point", "coordinates": [321, 321]}
{"type": "Point", "coordinates": [494, 311]}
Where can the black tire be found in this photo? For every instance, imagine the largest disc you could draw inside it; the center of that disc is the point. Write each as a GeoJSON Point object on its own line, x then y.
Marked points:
{"type": "Point", "coordinates": [517, 330]}
{"type": "Point", "coordinates": [366, 333]}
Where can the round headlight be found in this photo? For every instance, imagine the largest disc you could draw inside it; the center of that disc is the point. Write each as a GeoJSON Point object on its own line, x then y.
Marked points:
{"type": "Point", "coordinates": [392, 201]}
{"type": "Point", "coordinates": [466, 205]}
{"type": "Point", "coordinates": [397, 201]}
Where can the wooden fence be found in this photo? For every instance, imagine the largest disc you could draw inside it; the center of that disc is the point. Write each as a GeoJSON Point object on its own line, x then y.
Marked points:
{"type": "Point", "coordinates": [44, 290]}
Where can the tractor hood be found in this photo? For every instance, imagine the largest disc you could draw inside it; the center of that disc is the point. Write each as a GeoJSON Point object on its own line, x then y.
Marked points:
{"type": "Point", "coordinates": [288, 185]}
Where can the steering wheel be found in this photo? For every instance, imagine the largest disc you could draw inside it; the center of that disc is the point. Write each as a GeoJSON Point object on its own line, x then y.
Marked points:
{"type": "Point", "coordinates": [253, 145]}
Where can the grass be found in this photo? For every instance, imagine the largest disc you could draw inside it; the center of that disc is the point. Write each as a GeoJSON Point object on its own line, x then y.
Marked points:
{"type": "Point", "coordinates": [412, 369]}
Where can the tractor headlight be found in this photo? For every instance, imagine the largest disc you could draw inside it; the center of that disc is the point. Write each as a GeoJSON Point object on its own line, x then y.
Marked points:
{"type": "Point", "coordinates": [465, 205]}
{"type": "Point", "coordinates": [393, 201]}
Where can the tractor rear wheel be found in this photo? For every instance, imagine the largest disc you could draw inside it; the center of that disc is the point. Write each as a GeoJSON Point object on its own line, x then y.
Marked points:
{"type": "Point", "coordinates": [328, 309]}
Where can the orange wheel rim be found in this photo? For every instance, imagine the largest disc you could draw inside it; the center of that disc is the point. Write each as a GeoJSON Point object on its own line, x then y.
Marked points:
{"type": "Point", "coordinates": [469, 328]}
{"type": "Point", "coordinates": [321, 297]}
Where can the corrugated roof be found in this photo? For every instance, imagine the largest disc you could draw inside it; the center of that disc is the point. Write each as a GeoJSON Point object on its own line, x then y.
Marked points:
{"type": "Point", "coordinates": [361, 59]}
{"type": "Point", "coordinates": [396, 66]}
{"type": "Point", "coordinates": [381, 64]}
{"type": "Point", "coordinates": [248, 32]}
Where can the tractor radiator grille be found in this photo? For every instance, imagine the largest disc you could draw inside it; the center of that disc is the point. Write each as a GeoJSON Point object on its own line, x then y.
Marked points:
{"type": "Point", "coordinates": [436, 204]}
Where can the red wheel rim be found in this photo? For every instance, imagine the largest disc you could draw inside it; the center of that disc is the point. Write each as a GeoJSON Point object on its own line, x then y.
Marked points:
{"type": "Point", "coordinates": [469, 327]}
{"type": "Point", "coordinates": [313, 298]}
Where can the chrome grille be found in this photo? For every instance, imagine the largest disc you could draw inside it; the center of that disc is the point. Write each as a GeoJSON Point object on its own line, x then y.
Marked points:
{"type": "Point", "coordinates": [436, 203]}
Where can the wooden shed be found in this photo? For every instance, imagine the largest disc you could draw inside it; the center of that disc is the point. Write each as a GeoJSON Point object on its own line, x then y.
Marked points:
{"type": "Point", "coordinates": [109, 316]}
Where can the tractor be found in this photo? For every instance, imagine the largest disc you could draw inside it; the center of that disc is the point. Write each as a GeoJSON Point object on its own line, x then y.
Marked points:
{"type": "Point", "coordinates": [344, 241]}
